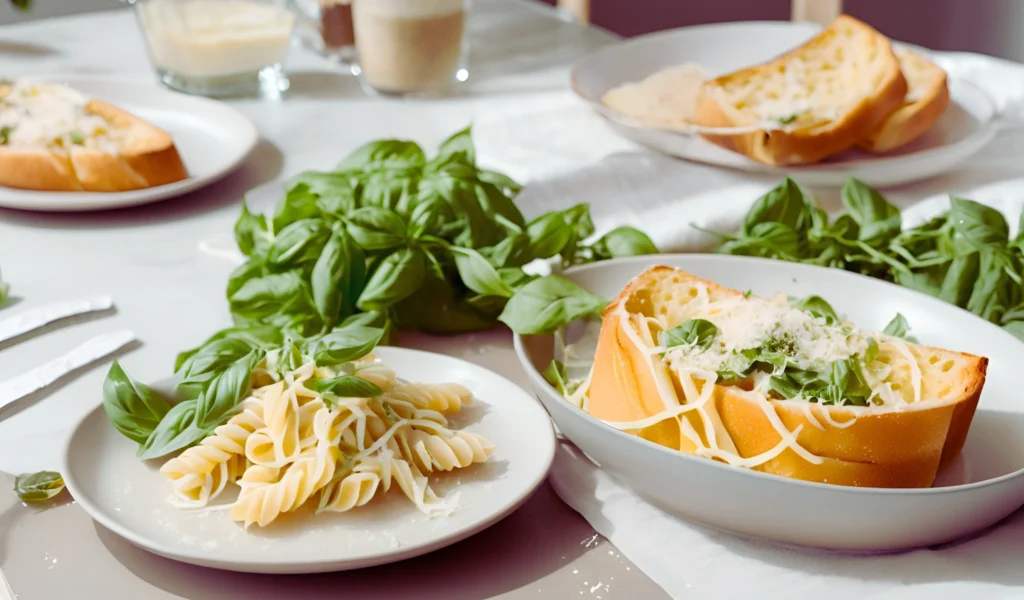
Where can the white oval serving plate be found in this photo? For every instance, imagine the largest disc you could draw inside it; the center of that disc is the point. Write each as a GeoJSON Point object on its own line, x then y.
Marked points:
{"type": "Point", "coordinates": [129, 496]}
{"type": "Point", "coordinates": [984, 485]}
{"type": "Point", "coordinates": [212, 138]}
{"type": "Point", "coordinates": [969, 123]}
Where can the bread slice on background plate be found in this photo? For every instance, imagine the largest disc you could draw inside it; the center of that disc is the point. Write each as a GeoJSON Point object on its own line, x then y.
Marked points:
{"type": "Point", "coordinates": [53, 138]}
{"type": "Point", "coordinates": [926, 100]}
{"type": "Point", "coordinates": [916, 421]}
{"type": "Point", "coordinates": [815, 101]}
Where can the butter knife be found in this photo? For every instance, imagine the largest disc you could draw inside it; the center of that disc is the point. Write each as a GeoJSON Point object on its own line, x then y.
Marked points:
{"type": "Point", "coordinates": [35, 318]}
{"type": "Point", "coordinates": [44, 375]}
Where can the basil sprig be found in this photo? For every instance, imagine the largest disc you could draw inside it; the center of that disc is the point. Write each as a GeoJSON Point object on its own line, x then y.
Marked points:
{"type": "Point", "coordinates": [215, 378]}
{"type": "Point", "coordinates": [964, 256]}
{"type": "Point", "coordinates": [698, 333]}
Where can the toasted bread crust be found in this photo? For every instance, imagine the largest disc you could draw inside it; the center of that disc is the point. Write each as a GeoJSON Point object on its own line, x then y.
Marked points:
{"type": "Point", "coordinates": [903, 447]}
{"type": "Point", "coordinates": [147, 158]}
{"type": "Point", "coordinates": [913, 119]}
{"type": "Point", "coordinates": [814, 143]}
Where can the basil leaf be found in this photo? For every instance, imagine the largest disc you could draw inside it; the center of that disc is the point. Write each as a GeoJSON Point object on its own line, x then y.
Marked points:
{"type": "Point", "coordinates": [547, 303]}
{"type": "Point", "coordinates": [251, 269]}
{"type": "Point", "coordinates": [785, 204]}
{"type": "Point", "coordinates": [265, 338]}
{"type": "Point", "coordinates": [730, 378]}
{"type": "Point", "coordinates": [212, 360]}
{"type": "Point", "coordinates": [768, 239]}
{"type": "Point", "coordinates": [134, 409]}
{"type": "Point", "coordinates": [345, 344]}
{"type": "Point", "coordinates": [375, 228]}
{"type": "Point", "coordinates": [386, 154]}
{"type": "Point", "coordinates": [348, 386]}
{"type": "Point", "coordinates": [38, 487]}
{"type": "Point", "coordinates": [512, 252]}
{"type": "Point", "coordinates": [427, 217]}
{"type": "Point", "coordinates": [5, 293]}
{"type": "Point", "coordinates": [556, 375]}
{"type": "Point", "coordinates": [477, 227]}
{"type": "Point", "coordinates": [579, 221]}
{"type": "Point", "coordinates": [624, 241]}
{"type": "Point", "coordinates": [478, 274]}
{"type": "Point", "coordinates": [841, 374]}
{"type": "Point", "coordinates": [694, 332]}
{"type": "Point", "coordinates": [399, 275]}
{"type": "Point", "coordinates": [177, 430]}
{"type": "Point", "coordinates": [548, 234]}
{"type": "Point", "coordinates": [990, 297]}
{"type": "Point", "coordinates": [332, 191]}
{"type": "Point", "coordinates": [495, 202]}
{"type": "Point", "coordinates": [298, 243]}
{"type": "Point", "coordinates": [502, 182]}
{"type": "Point", "coordinates": [337, 277]}
{"type": "Point", "coordinates": [897, 327]}
{"type": "Point", "coordinates": [784, 386]}
{"type": "Point", "coordinates": [878, 221]}
{"type": "Point", "coordinates": [958, 282]}
{"type": "Point", "coordinates": [251, 232]}
{"type": "Point", "coordinates": [818, 307]}
{"type": "Point", "coordinates": [979, 225]}
{"type": "Point", "coordinates": [264, 296]}
{"type": "Point", "coordinates": [456, 149]}
{"type": "Point", "coordinates": [225, 391]}
{"type": "Point", "coordinates": [298, 203]}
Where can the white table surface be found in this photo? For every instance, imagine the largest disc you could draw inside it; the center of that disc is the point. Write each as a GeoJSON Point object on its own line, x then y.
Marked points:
{"type": "Point", "coordinates": [172, 296]}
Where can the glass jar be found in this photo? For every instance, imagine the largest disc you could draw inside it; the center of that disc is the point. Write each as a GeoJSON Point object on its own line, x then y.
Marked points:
{"type": "Point", "coordinates": [411, 46]}
{"type": "Point", "coordinates": [218, 47]}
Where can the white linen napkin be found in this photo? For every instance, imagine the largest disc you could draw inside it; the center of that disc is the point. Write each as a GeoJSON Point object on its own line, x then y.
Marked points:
{"type": "Point", "coordinates": [567, 155]}
{"type": "Point", "coordinates": [693, 561]}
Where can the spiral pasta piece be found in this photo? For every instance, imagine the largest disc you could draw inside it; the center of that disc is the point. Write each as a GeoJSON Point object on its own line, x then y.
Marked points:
{"type": "Point", "coordinates": [371, 369]}
{"type": "Point", "coordinates": [440, 397]}
{"type": "Point", "coordinates": [430, 452]}
{"type": "Point", "coordinates": [278, 442]}
{"type": "Point", "coordinates": [262, 503]}
{"type": "Point", "coordinates": [200, 473]}
{"type": "Point", "coordinates": [351, 491]}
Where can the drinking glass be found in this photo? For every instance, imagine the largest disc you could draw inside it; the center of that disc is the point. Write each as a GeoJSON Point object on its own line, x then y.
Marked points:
{"type": "Point", "coordinates": [218, 47]}
{"type": "Point", "coordinates": [411, 46]}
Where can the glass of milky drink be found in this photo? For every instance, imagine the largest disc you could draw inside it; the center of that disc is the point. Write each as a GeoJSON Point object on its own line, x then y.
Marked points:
{"type": "Point", "coordinates": [218, 47]}
{"type": "Point", "coordinates": [411, 46]}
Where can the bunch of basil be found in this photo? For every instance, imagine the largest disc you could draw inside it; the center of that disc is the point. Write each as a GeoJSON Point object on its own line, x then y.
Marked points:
{"type": "Point", "coordinates": [394, 239]}
{"type": "Point", "coordinates": [964, 257]}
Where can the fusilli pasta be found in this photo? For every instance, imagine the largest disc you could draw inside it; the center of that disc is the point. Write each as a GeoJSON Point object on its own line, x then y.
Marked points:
{"type": "Point", "coordinates": [200, 473]}
{"type": "Point", "coordinates": [290, 443]}
{"type": "Point", "coordinates": [441, 397]}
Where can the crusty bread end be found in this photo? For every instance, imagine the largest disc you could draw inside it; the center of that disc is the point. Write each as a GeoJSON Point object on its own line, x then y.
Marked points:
{"type": "Point", "coordinates": [851, 71]}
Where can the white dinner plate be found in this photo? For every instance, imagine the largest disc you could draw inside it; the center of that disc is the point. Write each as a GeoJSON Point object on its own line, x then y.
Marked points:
{"type": "Point", "coordinates": [129, 496]}
{"type": "Point", "coordinates": [212, 138]}
{"type": "Point", "coordinates": [968, 124]}
{"type": "Point", "coordinates": [983, 485]}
